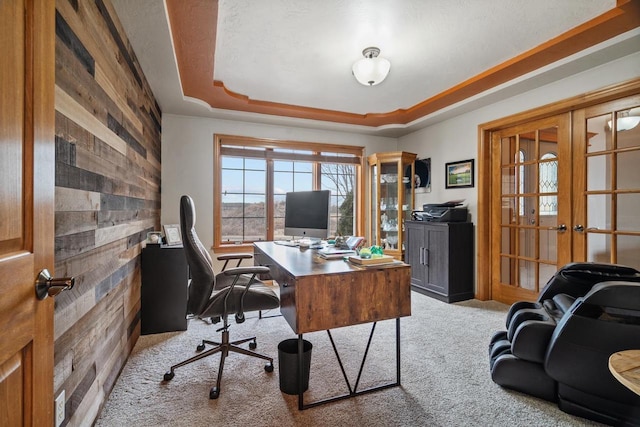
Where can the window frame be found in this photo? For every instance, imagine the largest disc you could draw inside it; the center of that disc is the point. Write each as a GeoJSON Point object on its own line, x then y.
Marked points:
{"type": "Point", "coordinates": [320, 153]}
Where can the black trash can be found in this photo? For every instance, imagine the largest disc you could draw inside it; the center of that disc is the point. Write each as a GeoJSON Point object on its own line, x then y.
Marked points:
{"type": "Point", "coordinates": [288, 365]}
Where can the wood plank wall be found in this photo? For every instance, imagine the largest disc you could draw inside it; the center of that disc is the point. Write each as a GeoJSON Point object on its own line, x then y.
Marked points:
{"type": "Point", "coordinates": [107, 199]}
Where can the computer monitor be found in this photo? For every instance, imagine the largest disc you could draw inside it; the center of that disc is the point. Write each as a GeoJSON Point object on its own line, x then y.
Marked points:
{"type": "Point", "coordinates": [306, 214]}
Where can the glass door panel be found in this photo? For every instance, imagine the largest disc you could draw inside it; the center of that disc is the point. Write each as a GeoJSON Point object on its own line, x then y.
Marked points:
{"type": "Point", "coordinates": [531, 162]}
{"type": "Point", "coordinates": [610, 201]}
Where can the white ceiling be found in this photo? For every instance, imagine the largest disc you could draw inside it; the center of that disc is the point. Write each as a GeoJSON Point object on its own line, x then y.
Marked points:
{"type": "Point", "coordinates": [300, 52]}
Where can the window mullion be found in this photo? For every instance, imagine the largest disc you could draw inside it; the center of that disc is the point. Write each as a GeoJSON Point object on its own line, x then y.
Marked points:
{"type": "Point", "coordinates": [269, 199]}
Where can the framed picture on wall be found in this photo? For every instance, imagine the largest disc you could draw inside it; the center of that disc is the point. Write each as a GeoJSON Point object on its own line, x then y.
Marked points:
{"type": "Point", "coordinates": [459, 174]}
{"type": "Point", "coordinates": [172, 234]}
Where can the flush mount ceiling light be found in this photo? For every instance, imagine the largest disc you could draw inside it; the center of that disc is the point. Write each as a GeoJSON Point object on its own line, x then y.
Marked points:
{"type": "Point", "coordinates": [372, 69]}
{"type": "Point", "coordinates": [625, 121]}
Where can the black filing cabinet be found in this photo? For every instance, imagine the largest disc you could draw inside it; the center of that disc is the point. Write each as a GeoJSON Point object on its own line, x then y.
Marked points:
{"type": "Point", "coordinates": [441, 259]}
{"type": "Point", "coordinates": [165, 276]}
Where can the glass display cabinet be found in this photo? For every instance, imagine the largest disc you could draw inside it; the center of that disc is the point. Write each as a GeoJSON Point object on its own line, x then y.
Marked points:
{"type": "Point", "coordinates": [392, 195]}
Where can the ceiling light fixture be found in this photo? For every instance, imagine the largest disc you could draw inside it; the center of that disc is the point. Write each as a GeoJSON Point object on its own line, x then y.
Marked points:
{"type": "Point", "coordinates": [625, 121]}
{"type": "Point", "coordinates": [372, 69]}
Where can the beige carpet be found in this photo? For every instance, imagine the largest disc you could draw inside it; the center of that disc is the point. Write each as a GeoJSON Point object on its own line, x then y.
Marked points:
{"type": "Point", "coordinates": [445, 377]}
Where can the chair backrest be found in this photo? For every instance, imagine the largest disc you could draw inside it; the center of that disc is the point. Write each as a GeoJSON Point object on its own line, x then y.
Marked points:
{"type": "Point", "coordinates": [198, 258]}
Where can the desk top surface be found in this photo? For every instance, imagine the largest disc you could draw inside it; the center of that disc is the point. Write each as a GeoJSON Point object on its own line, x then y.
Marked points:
{"type": "Point", "coordinates": [306, 262]}
{"type": "Point", "coordinates": [625, 366]}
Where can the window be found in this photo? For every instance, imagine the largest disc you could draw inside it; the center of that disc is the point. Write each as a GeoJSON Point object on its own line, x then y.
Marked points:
{"type": "Point", "coordinates": [254, 175]}
{"type": "Point", "coordinates": [548, 183]}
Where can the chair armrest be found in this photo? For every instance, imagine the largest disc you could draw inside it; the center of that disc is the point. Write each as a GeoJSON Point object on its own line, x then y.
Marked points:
{"type": "Point", "coordinates": [225, 257]}
{"type": "Point", "coordinates": [254, 269]}
{"type": "Point", "coordinates": [239, 256]}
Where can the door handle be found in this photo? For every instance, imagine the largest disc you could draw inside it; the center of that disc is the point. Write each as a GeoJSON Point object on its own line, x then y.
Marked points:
{"type": "Point", "coordinates": [561, 228]}
{"type": "Point", "coordinates": [579, 228]}
{"type": "Point", "coordinates": [48, 286]}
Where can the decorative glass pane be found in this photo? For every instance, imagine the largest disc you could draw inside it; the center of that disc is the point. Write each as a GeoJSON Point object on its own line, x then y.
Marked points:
{"type": "Point", "coordinates": [548, 183]}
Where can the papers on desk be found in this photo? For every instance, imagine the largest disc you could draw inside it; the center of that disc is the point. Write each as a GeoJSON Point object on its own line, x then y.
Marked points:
{"type": "Point", "coordinates": [333, 253]}
{"type": "Point", "coordinates": [384, 259]}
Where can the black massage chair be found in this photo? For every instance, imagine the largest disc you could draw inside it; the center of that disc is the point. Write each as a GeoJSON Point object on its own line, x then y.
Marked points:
{"type": "Point", "coordinates": [558, 347]}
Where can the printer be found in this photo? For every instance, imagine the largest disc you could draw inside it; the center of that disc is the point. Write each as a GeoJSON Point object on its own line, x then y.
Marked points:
{"type": "Point", "coordinates": [452, 211]}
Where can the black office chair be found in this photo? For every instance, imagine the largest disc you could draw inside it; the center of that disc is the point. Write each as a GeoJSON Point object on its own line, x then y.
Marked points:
{"type": "Point", "coordinates": [235, 290]}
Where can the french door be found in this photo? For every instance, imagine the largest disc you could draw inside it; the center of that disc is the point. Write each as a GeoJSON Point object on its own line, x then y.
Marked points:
{"type": "Point", "coordinates": [607, 172]}
{"type": "Point", "coordinates": [531, 174]}
{"type": "Point", "coordinates": [564, 189]}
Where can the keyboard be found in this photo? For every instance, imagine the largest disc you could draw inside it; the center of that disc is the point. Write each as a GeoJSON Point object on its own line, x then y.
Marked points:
{"type": "Point", "coordinates": [286, 243]}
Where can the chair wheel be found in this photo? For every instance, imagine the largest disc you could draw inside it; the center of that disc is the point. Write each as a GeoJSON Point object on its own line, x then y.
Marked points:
{"type": "Point", "coordinates": [200, 347]}
{"type": "Point", "coordinates": [168, 376]}
{"type": "Point", "coordinates": [268, 367]}
{"type": "Point", "coordinates": [253, 345]}
{"type": "Point", "coordinates": [214, 393]}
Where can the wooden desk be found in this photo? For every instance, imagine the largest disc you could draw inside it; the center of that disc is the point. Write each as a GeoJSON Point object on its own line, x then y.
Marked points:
{"type": "Point", "coordinates": [318, 294]}
{"type": "Point", "coordinates": [625, 366]}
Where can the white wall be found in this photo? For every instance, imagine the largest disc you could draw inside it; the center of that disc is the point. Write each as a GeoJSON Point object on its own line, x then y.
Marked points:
{"type": "Point", "coordinates": [457, 138]}
{"type": "Point", "coordinates": [187, 142]}
{"type": "Point", "coordinates": [187, 159]}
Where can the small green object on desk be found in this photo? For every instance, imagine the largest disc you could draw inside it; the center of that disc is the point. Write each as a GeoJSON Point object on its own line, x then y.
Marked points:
{"type": "Point", "coordinates": [365, 253]}
{"type": "Point", "coordinates": [376, 251]}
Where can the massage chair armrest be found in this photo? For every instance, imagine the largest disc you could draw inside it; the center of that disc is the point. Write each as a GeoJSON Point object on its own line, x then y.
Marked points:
{"type": "Point", "coordinates": [577, 279]}
{"type": "Point", "coordinates": [530, 339]}
{"type": "Point", "coordinates": [587, 335]}
{"type": "Point", "coordinates": [520, 305]}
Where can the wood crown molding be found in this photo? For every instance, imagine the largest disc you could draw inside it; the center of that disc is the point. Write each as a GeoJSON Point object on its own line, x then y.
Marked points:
{"type": "Point", "coordinates": [194, 40]}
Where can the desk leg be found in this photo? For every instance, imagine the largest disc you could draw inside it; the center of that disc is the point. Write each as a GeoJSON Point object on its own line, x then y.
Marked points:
{"type": "Point", "coordinates": [352, 392]}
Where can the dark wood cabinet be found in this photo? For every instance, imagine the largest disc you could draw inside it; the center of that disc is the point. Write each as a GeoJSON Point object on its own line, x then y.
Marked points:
{"type": "Point", "coordinates": [441, 259]}
{"type": "Point", "coordinates": [165, 277]}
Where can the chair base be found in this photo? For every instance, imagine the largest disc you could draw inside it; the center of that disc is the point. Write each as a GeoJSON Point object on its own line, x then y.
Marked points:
{"type": "Point", "coordinates": [223, 347]}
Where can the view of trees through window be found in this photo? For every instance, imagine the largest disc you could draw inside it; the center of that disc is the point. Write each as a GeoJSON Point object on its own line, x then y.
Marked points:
{"type": "Point", "coordinates": [254, 182]}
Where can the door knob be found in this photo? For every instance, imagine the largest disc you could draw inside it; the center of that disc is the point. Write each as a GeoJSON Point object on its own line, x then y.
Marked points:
{"type": "Point", "coordinates": [561, 228]}
{"type": "Point", "coordinates": [48, 286]}
{"type": "Point", "coordinates": [578, 228]}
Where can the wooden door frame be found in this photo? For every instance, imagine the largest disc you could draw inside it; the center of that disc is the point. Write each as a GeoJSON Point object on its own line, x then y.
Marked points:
{"type": "Point", "coordinates": [483, 226]}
